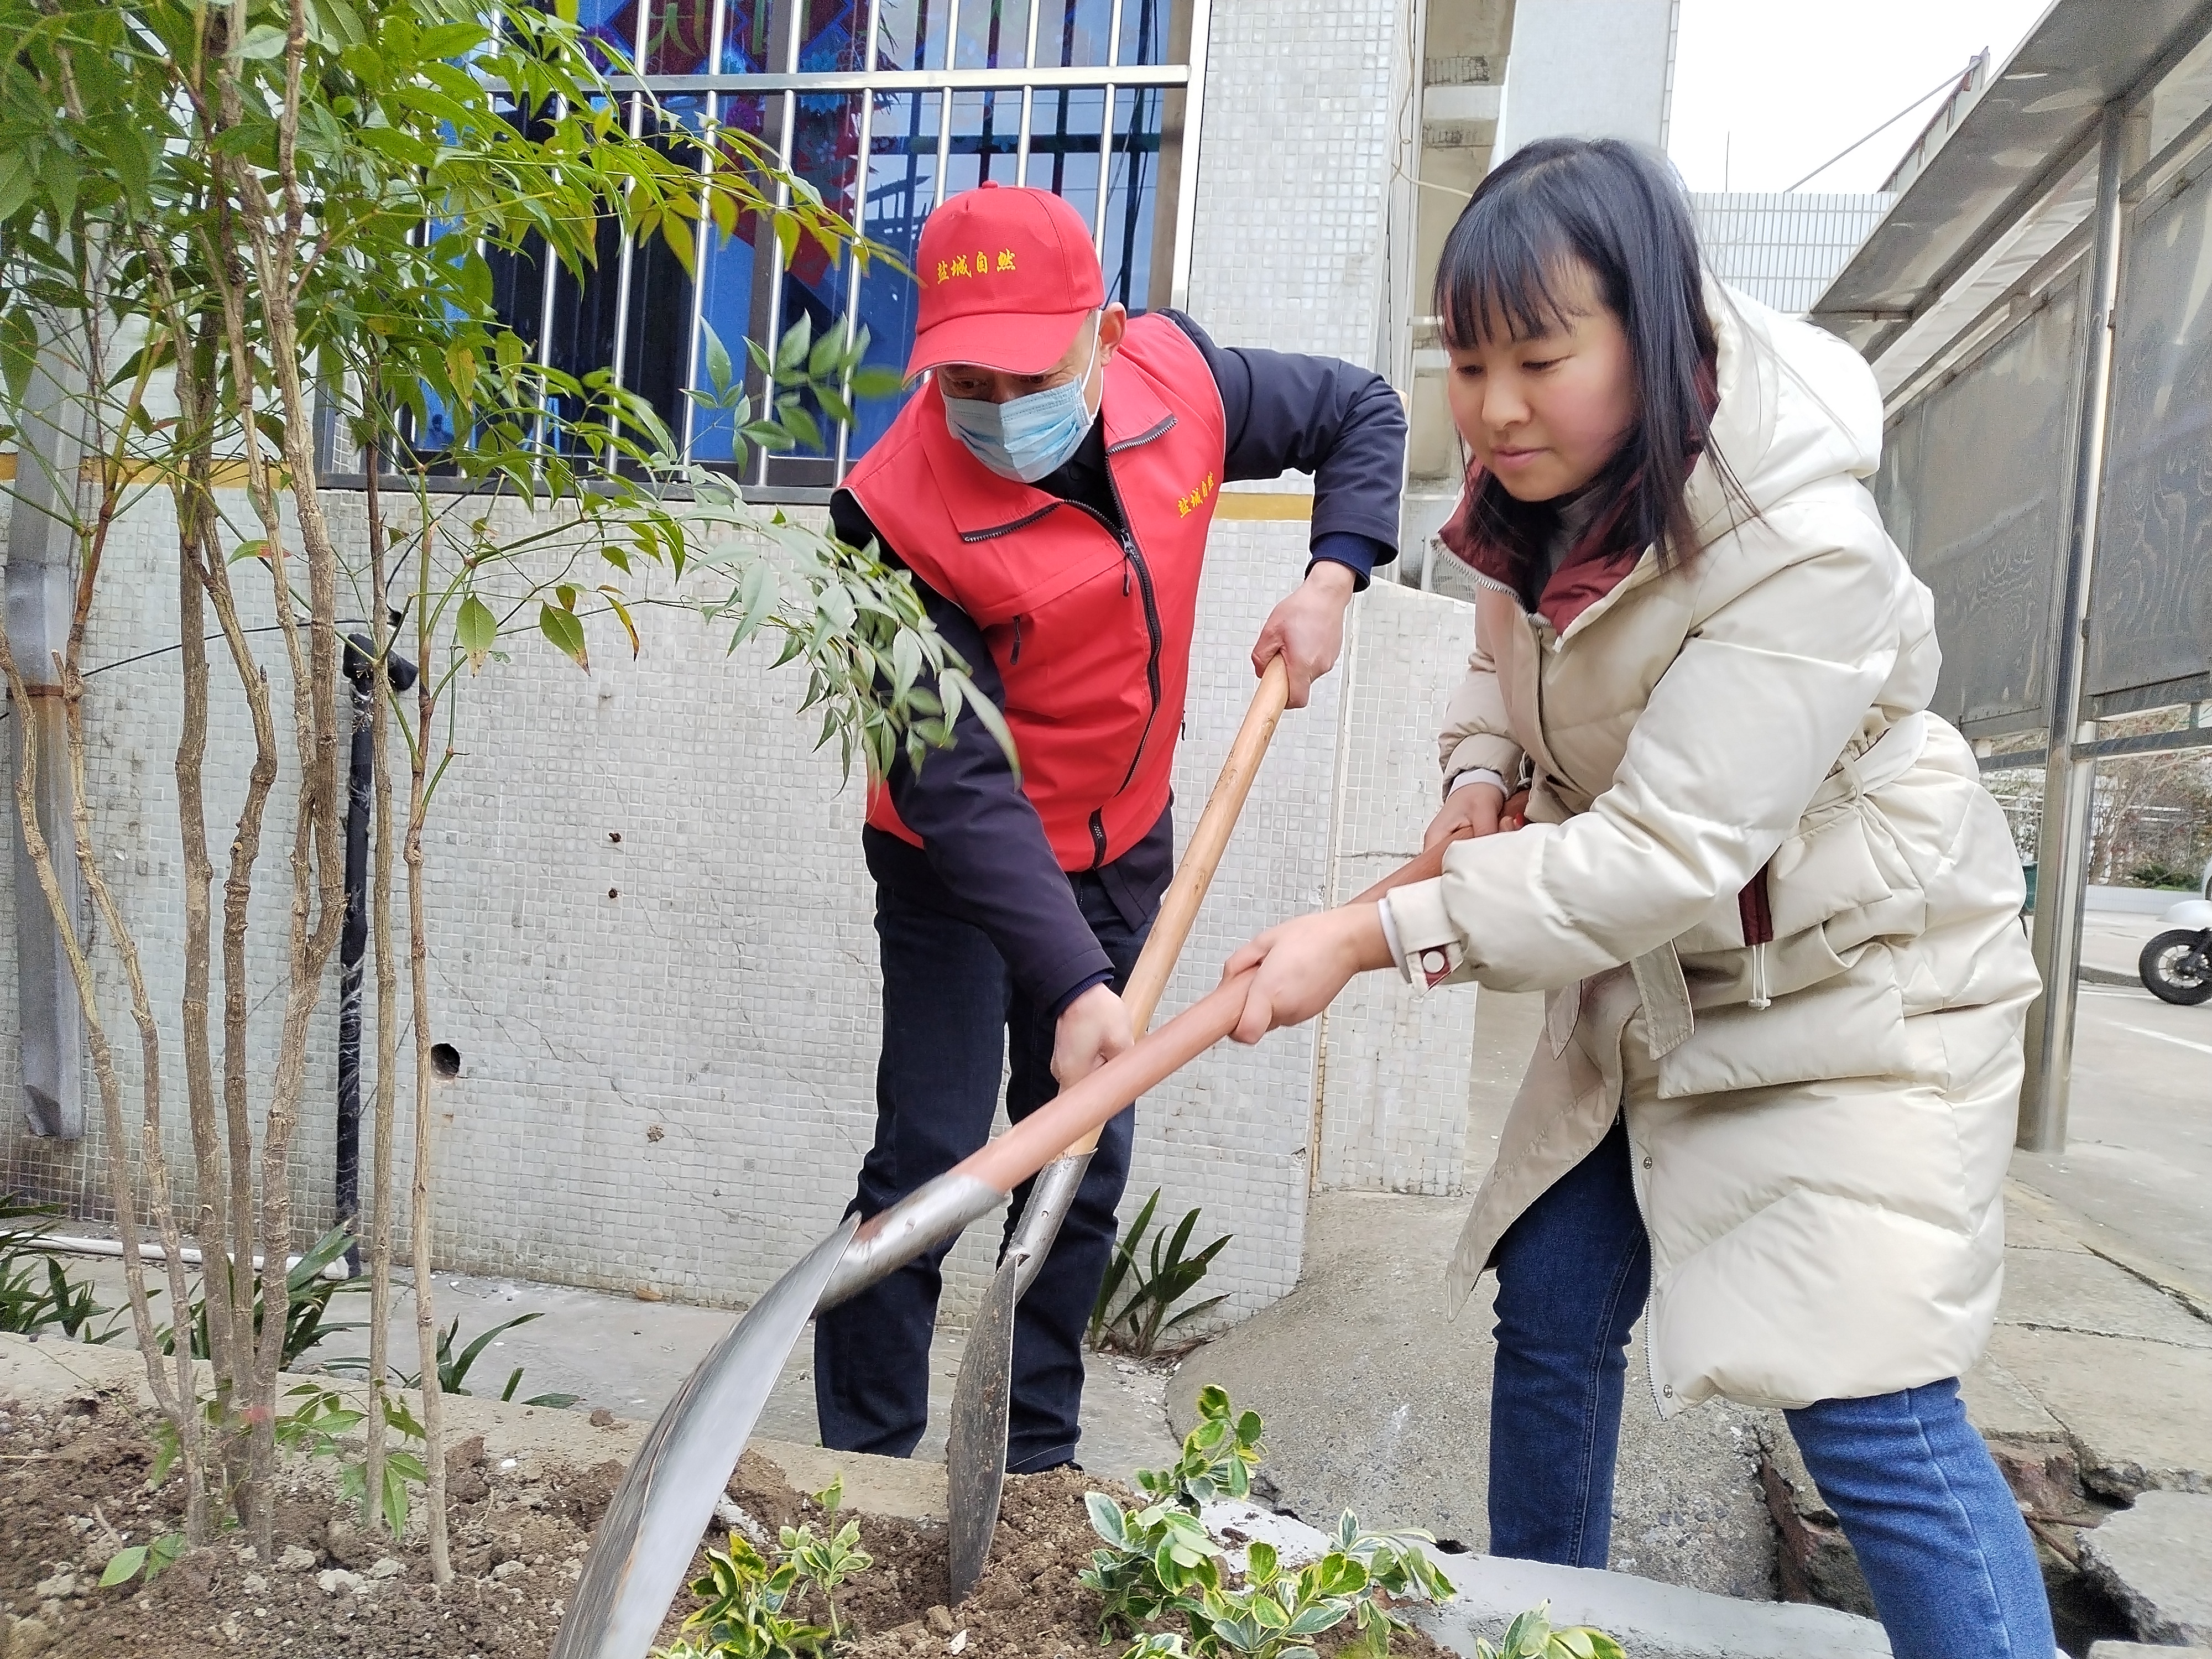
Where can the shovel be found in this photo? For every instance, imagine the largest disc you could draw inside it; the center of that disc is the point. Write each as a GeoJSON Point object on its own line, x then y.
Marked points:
{"type": "Point", "coordinates": [645, 1543]}
{"type": "Point", "coordinates": [975, 1449]}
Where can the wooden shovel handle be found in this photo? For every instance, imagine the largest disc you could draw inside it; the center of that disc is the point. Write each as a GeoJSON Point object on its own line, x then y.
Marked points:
{"type": "Point", "coordinates": [1148, 981]}
{"type": "Point", "coordinates": [1083, 1109]}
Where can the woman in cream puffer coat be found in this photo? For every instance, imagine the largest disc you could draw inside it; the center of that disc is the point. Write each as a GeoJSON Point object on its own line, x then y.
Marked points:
{"type": "Point", "coordinates": [1774, 912]}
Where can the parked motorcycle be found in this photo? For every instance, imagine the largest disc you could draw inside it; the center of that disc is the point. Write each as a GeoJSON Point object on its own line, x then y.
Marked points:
{"type": "Point", "coordinates": [2177, 964]}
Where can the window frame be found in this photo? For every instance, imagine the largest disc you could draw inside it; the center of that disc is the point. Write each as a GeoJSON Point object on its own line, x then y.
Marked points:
{"type": "Point", "coordinates": [1188, 22]}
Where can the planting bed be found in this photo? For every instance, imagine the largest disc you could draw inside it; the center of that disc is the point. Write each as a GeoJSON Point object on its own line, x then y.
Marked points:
{"type": "Point", "coordinates": [72, 1489]}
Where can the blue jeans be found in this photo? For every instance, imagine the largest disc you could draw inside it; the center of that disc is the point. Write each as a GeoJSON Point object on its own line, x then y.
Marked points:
{"type": "Point", "coordinates": [1935, 1529]}
{"type": "Point", "coordinates": [951, 1017]}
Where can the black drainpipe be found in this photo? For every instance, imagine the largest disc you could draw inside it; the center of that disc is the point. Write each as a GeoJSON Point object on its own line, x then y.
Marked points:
{"type": "Point", "coordinates": [352, 943]}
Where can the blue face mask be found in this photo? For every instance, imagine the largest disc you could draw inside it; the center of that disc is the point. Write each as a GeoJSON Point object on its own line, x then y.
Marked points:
{"type": "Point", "coordinates": [1026, 438]}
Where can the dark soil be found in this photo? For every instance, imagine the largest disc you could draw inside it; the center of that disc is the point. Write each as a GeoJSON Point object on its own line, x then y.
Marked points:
{"type": "Point", "coordinates": [72, 1489]}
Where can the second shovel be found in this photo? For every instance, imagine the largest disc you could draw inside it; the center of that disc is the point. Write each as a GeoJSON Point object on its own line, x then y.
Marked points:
{"type": "Point", "coordinates": [976, 1448]}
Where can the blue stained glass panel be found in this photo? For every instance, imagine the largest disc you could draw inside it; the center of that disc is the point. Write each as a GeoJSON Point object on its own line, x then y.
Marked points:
{"type": "Point", "coordinates": [911, 34]}
{"type": "Point", "coordinates": [745, 37]}
{"type": "Point", "coordinates": [1064, 145]}
{"type": "Point", "coordinates": [1072, 32]}
{"type": "Point", "coordinates": [728, 280]}
{"type": "Point", "coordinates": [1144, 31]}
{"type": "Point", "coordinates": [901, 183]}
{"type": "Point", "coordinates": [612, 27]}
{"type": "Point", "coordinates": [680, 38]}
{"type": "Point", "coordinates": [825, 144]}
{"type": "Point", "coordinates": [985, 135]}
{"type": "Point", "coordinates": [1133, 196]}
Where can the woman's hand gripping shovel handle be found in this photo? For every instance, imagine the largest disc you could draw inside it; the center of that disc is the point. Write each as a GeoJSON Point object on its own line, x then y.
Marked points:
{"type": "Point", "coordinates": [975, 1447]}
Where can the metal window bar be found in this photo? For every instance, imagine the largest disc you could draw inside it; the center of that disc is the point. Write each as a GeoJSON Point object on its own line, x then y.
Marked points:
{"type": "Point", "coordinates": [629, 259]}
{"type": "Point", "coordinates": [945, 106]}
{"type": "Point", "coordinates": [709, 121]}
{"type": "Point", "coordinates": [1109, 79]}
{"type": "Point", "coordinates": [790, 19]}
{"type": "Point", "coordinates": [1029, 102]}
{"type": "Point", "coordinates": [862, 146]}
{"type": "Point", "coordinates": [1106, 133]}
{"type": "Point", "coordinates": [1045, 78]}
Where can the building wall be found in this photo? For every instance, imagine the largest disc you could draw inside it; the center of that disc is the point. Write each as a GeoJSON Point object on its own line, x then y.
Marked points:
{"type": "Point", "coordinates": [667, 1040]}
{"type": "Point", "coordinates": [1593, 69]}
{"type": "Point", "coordinates": [1783, 249]}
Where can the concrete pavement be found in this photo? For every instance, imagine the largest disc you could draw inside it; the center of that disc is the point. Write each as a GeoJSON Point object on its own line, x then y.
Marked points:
{"type": "Point", "coordinates": [2138, 1163]}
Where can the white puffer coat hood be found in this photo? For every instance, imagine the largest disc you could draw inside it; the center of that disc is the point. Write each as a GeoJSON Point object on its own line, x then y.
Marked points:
{"type": "Point", "coordinates": [1776, 911]}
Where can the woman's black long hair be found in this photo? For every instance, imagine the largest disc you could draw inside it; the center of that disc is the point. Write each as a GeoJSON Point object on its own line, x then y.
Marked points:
{"type": "Point", "coordinates": [1621, 212]}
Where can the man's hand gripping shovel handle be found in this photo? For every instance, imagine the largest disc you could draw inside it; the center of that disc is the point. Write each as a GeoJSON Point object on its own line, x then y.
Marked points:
{"type": "Point", "coordinates": [967, 1191]}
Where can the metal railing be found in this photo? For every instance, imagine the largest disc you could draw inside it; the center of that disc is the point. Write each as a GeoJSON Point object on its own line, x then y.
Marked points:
{"type": "Point", "coordinates": [954, 104]}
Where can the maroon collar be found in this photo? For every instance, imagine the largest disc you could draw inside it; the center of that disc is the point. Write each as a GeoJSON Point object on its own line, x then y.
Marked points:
{"type": "Point", "coordinates": [1574, 587]}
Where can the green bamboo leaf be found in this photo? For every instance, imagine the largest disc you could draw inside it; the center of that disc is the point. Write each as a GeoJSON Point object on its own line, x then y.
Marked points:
{"type": "Point", "coordinates": [797, 340]}
{"type": "Point", "coordinates": [718, 370]}
{"type": "Point", "coordinates": [758, 595]}
{"type": "Point", "coordinates": [876, 380]}
{"type": "Point", "coordinates": [565, 631]}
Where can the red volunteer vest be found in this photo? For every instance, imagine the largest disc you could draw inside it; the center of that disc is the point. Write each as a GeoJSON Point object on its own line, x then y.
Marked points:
{"type": "Point", "coordinates": [1091, 632]}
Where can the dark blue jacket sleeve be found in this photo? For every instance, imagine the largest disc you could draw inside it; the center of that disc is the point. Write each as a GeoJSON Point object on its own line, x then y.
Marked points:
{"type": "Point", "coordinates": [1344, 424]}
{"type": "Point", "coordinates": [983, 841]}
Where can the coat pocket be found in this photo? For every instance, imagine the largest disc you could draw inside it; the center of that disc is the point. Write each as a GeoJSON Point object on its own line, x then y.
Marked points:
{"type": "Point", "coordinates": [1849, 1024]}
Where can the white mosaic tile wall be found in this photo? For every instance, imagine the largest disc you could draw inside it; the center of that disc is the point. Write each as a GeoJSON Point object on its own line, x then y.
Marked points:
{"type": "Point", "coordinates": [1395, 1076]}
{"type": "Point", "coordinates": [132, 723]}
{"type": "Point", "coordinates": [1294, 173]}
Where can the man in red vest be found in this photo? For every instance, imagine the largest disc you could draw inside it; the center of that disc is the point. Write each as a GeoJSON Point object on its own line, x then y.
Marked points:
{"type": "Point", "coordinates": [1049, 488]}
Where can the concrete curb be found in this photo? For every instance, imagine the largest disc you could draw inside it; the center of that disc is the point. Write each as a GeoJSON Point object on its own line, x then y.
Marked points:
{"type": "Point", "coordinates": [1652, 1621]}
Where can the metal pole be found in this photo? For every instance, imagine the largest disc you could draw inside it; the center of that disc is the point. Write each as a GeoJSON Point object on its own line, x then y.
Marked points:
{"type": "Point", "coordinates": [2070, 779]}
{"type": "Point", "coordinates": [42, 549]}
{"type": "Point", "coordinates": [1029, 102]}
{"type": "Point", "coordinates": [864, 142]}
{"type": "Point", "coordinates": [353, 942]}
{"type": "Point", "coordinates": [945, 105]}
{"type": "Point", "coordinates": [1106, 131]}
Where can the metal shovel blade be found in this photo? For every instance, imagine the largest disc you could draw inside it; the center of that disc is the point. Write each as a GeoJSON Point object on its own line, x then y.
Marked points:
{"type": "Point", "coordinates": [975, 1449]}
{"type": "Point", "coordinates": [644, 1545]}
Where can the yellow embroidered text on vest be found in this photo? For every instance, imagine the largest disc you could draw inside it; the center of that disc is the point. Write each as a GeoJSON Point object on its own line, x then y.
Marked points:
{"type": "Point", "coordinates": [1186, 505]}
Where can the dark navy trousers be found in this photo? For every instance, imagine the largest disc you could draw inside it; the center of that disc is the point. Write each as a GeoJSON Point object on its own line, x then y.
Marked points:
{"type": "Point", "coordinates": [953, 1019]}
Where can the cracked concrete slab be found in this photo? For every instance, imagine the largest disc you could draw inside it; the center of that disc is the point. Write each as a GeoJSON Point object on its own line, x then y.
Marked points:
{"type": "Point", "coordinates": [2003, 1408]}
{"type": "Point", "coordinates": [2071, 1290]}
{"type": "Point", "coordinates": [2155, 1558]}
{"type": "Point", "coordinates": [2135, 1410]}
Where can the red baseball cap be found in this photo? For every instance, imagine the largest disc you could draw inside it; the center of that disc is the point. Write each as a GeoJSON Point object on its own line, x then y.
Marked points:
{"type": "Point", "coordinates": [1007, 276]}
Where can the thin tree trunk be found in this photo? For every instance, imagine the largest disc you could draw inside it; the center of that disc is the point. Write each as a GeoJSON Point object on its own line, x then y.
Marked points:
{"type": "Point", "coordinates": [121, 1188]}
{"type": "Point", "coordinates": [182, 1407]}
{"type": "Point", "coordinates": [181, 1404]}
{"type": "Point", "coordinates": [418, 969]}
{"type": "Point", "coordinates": [196, 534]}
{"type": "Point", "coordinates": [318, 841]}
{"type": "Point", "coordinates": [387, 977]}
